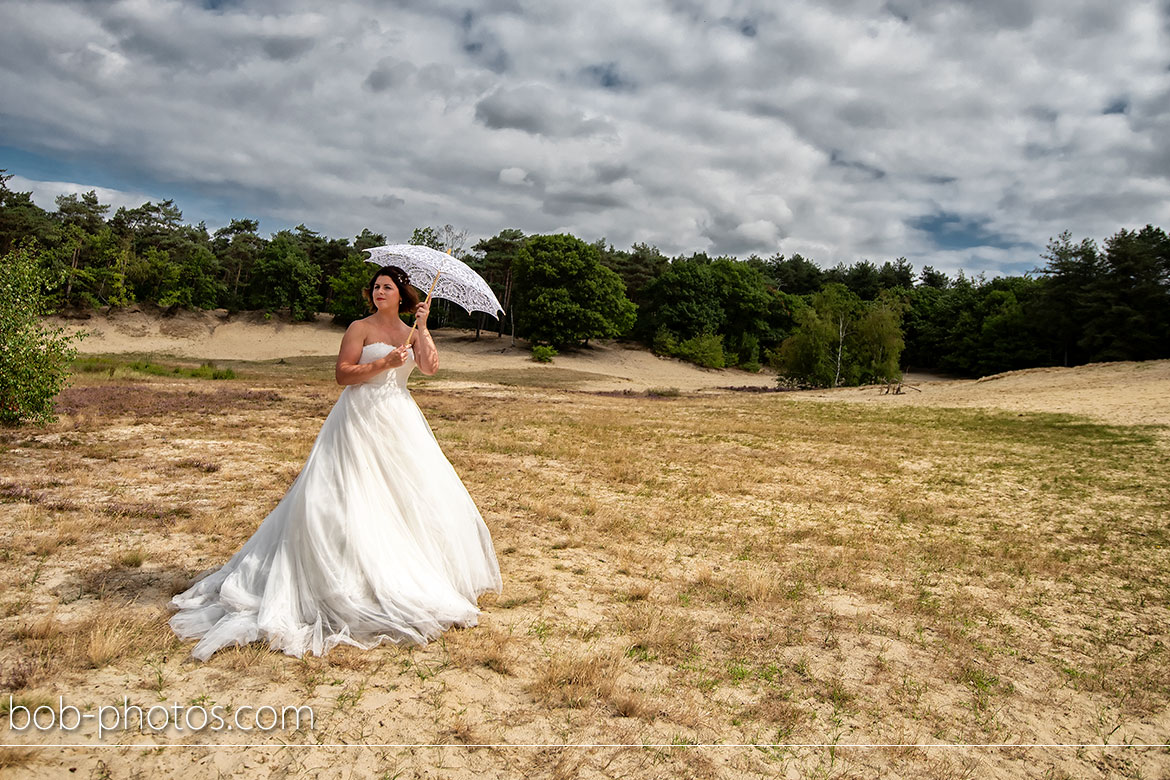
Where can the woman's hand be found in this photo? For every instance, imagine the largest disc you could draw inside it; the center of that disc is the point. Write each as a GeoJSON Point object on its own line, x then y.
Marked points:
{"type": "Point", "coordinates": [395, 358]}
{"type": "Point", "coordinates": [420, 314]}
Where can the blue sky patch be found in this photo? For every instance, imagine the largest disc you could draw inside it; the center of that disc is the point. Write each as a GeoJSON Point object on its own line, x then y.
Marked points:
{"type": "Point", "coordinates": [1118, 106]}
{"type": "Point", "coordinates": [949, 231]}
{"type": "Point", "coordinates": [197, 203]}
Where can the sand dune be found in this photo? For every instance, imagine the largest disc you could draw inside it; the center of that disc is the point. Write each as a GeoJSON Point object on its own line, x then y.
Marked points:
{"type": "Point", "coordinates": [1116, 393]}
{"type": "Point", "coordinates": [218, 335]}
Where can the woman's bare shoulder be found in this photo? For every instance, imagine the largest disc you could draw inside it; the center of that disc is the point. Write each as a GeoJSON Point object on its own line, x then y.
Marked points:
{"type": "Point", "coordinates": [357, 333]}
{"type": "Point", "coordinates": [358, 326]}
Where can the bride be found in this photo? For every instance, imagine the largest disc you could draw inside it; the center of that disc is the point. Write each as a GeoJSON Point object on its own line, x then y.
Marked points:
{"type": "Point", "coordinates": [377, 539]}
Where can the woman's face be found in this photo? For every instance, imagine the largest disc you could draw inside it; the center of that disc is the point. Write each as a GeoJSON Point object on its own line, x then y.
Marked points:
{"type": "Point", "coordinates": [385, 293]}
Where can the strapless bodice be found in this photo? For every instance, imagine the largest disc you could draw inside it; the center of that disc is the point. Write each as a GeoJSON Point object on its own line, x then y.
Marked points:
{"type": "Point", "coordinates": [395, 376]}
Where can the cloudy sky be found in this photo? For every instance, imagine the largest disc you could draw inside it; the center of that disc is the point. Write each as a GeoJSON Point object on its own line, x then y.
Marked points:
{"type": "Point", "coordinates": [956, 133]}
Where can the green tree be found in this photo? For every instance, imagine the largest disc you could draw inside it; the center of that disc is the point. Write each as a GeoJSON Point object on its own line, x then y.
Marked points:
{"type": "Point", "coordinates": [795, 275]}
{"type": "Point", "coordinates": [1069, 301]}
{"type": "Point", "coordinates": [346, 303]}
{"type": "Point", "coordinates": [327, 255]}
{"type": "Point", "coordinates": [742, 292]}
{"type": "Point", "coordinates": [87, 254]}
{"type": "Point", "coordinates": [899, 273]}
{"type": "Point", "coordinates": [34, 360]}
{"type": "Point", "coordinates": [1132, 301]}
{"type": "Point", "coordinates": [682, 300]}
{"type": "Point", "coordinates": [824, 351]}
{"type": "Point", "coordinates": [169, 262]}
{"type": "Point", "coordinates": [839, 307]}
{"type": "Point", "coordinates": [429, 237]}
{"type": "Point", "coordinates": [190, 280]}
{"type": "Point", "coordinates": [237, 246]}
{"type": "Point", "coordinates": [21, 219]}
{"type": "Point", "coordinates": [924, 327]}
{"type": "Point", "coordinates": [805, 357]}
{"type": "Point", "coordinates": [84, 211]}
{"type": "Point", "coordinates": [932, 278]}
{"type": "Point", "coordinates": [1011, 332]}
{"type": "Point", "coordinates": [494, 259]}
{"type": "Point", "coordinates": [285, 278]}
{"type": "Point", "coordinates": [863, 279]}
{"type": "Point", "coordinates": [565, 296]}
{"type": "Point", "coordinates": [878, 340]}
{"type": "Point", "coordinates": [94, 266]}
{"type": "Point", "coordinates": [638, 268]}
{"type": "Point", "coordinates": [367, 239]}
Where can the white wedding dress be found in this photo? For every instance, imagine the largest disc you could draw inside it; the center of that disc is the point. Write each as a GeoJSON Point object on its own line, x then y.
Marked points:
{"type": "Point", "coordinates": [376, 540]}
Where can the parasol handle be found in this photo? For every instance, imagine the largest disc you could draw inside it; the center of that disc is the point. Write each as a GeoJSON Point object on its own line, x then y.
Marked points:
{"type": "Point", "coordinates": [410, 335]}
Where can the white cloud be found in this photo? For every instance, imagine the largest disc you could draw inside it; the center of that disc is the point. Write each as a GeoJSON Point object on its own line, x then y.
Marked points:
{"type": "Point", "coordinates": [45, 193]}
{"type": "Point", "coordinates": [514, 176]}
{"type": "Point", "coordinates": [722, 126]}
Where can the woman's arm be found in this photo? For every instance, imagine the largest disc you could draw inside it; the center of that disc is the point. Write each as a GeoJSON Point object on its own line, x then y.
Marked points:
{"type": "Point", "coordinates": [426, 357]}
{"type": "Point", "coordinates": [349, 371]}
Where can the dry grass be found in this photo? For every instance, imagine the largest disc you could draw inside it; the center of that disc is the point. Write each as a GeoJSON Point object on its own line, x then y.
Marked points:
{"type": "Point", "coordinates": [485, 647]}
{"type": "Point", "coordinates": [577, 680]}
{"type": "Point", "coordinates": [743, 568]}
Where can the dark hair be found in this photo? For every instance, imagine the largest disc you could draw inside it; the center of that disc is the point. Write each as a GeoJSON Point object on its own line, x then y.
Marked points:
{"type": "Point", "coordinates": [407, 297]}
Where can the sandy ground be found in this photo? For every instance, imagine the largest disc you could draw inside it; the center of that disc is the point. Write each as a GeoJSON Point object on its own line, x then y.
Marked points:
{"type": "Point", "coordinates": [1113, 393]}
{"type": "Point", "coordinates": [564, 593]}
{"type": "Point", "coordinates": [217, 335]}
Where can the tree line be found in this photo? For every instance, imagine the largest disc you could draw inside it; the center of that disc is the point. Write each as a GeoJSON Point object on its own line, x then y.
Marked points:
{"type": "Point", "coordinates": [844, 325]}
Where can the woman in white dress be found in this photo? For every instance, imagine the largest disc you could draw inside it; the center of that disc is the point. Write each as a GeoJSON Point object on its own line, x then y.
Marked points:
{"type": "Point", "coordinates": [377, 539]}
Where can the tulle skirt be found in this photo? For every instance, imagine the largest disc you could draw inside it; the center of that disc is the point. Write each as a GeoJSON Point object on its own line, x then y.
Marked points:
{"type": "Point", "coordinates": [376, 540]}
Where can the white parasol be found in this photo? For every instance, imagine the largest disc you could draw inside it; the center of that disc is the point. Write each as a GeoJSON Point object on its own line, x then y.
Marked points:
{"type": "Point", "coordinates": [446, 276]}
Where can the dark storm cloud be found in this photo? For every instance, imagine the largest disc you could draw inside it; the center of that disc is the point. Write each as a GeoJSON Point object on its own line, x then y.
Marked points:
{"type": "Point", "coordinates": [481, 44]}
{"type": "Point", "coordinates": [286, 47]}
{"type": "Point", "coordinates": [566, 203]}
{"type": "Point", "coordinates": [538, 110]}
{"type": "Point", "coordinates": [608, 173]}
{"type": "Point", "coordinates": [607, 76]}
{"type": "Point", "coordinates": [839, 159]}
{"type": "Point", "coordinates": [388, 202]}
{"type": "Point", "coordinates": [389, 73]}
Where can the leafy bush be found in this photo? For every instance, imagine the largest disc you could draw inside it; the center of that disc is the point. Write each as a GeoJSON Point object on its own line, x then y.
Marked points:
{"type": "Point", "coordinates": [543, 354]}
{"type": "Point", "coordinates": [665, 342]}
{"type": "Point", "coordinates": [704, 350]}
{"type": "Point", "coordinates": [205, 371]}
{"type": "Point", "coordinates": [662, 392]}
{"type": "Point", "coordinates": [743, 350]}
{"type": "Point", "coordinates": [34, 360]}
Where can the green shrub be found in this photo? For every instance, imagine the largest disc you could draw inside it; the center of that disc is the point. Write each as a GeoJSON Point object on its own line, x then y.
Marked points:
{"type": "Point", "coordinates": [665, 342]}
{"type": "Point", "coordinates": [205, 371]}
{"type": "Point", "coordinates": [209, 371]}
{"type": "Point", "coordinates": [543, 354]}
{"type": "Point", "coordinates": [34, 360]}
{"type": "Point", "coordinates": [662, 392]}
{"type": "Point", "coordinates": [704, 350]}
